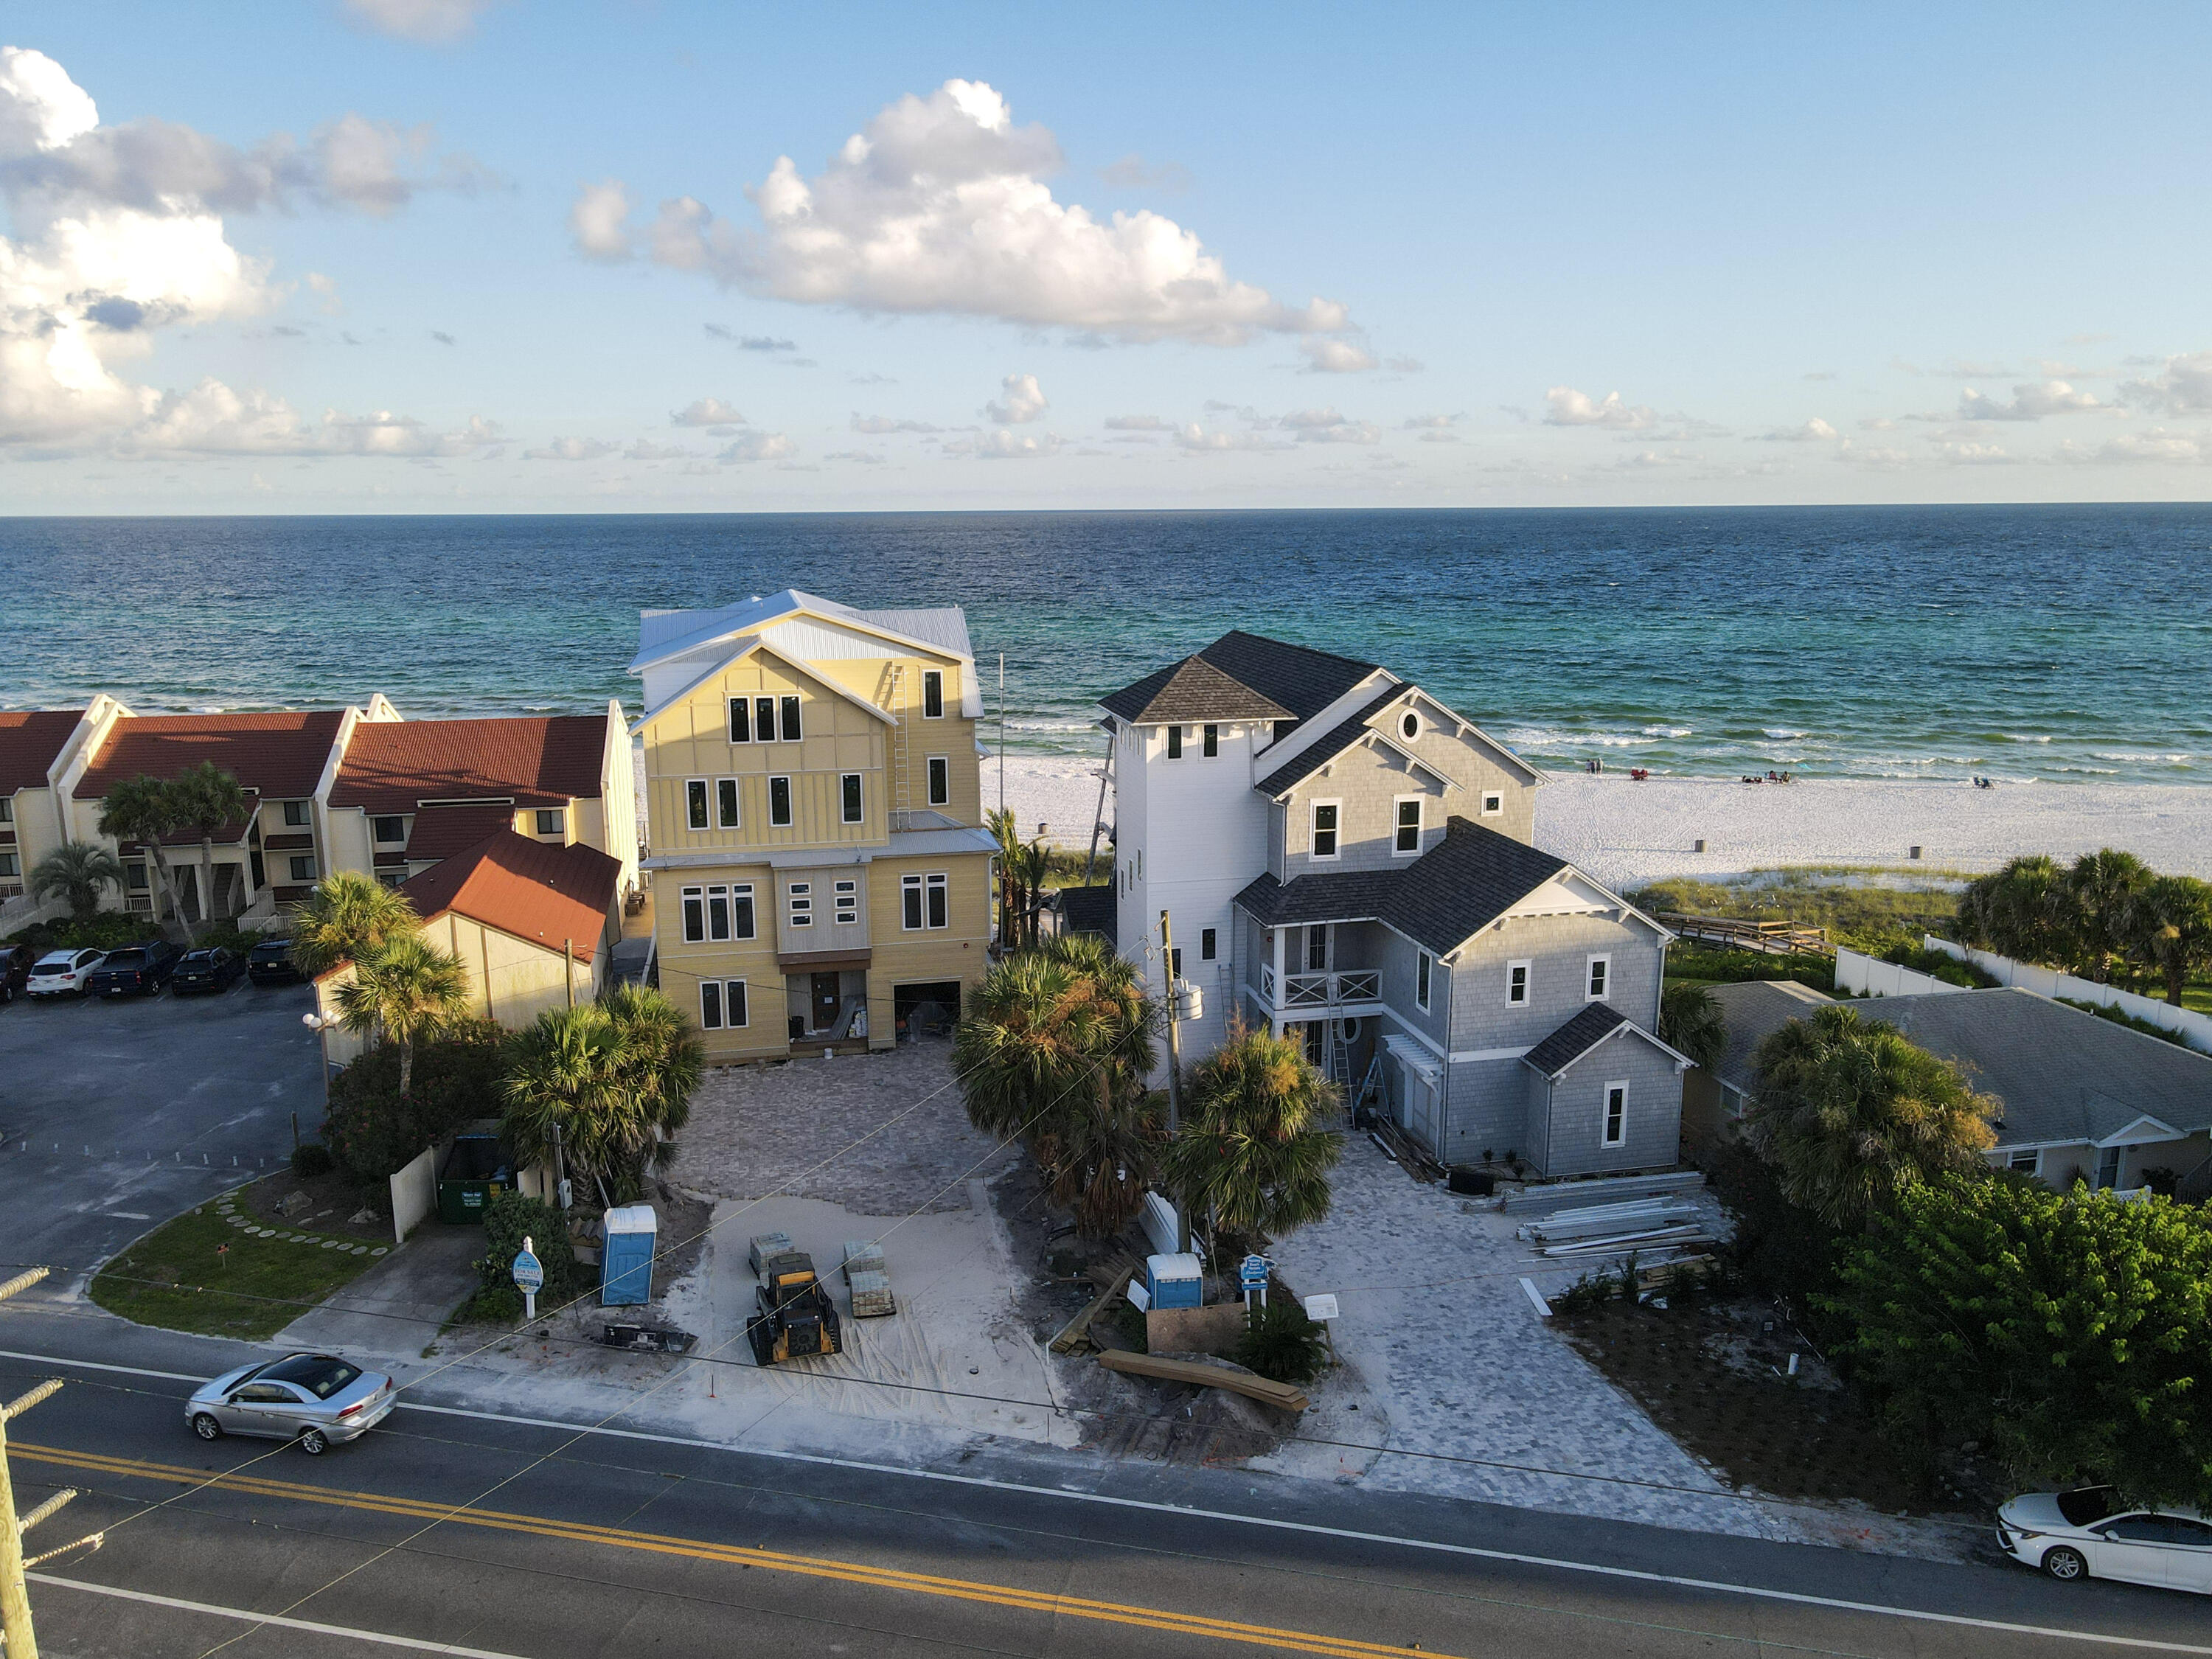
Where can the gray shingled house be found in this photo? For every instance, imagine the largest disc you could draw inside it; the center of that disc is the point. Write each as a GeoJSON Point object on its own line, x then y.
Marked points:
{"type": "Point", "coordinates": [1346, 858]}
{"type": "Point", "coordinates": [2083, 1098]}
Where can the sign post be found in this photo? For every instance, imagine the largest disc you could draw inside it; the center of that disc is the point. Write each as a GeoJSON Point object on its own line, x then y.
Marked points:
{"type": "Point", "coordinates": [1322, 1309]}
{"type": "Point", "coordinates": [1252, 1277]}
{"type": "Point", "coordinates": [529, 1279]}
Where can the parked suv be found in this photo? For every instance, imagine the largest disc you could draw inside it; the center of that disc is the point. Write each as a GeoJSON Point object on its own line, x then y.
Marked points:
{"type": "Point", "coordinates": [16, 962]}
{"type": "Point", "coordinates": [64, 973]}
{"type": "Point", "coordinates": [212, 969]}
{"type": "Point", "coordinates": [270, 963]}
{"type": "Point", "coordinates": [136, 970]}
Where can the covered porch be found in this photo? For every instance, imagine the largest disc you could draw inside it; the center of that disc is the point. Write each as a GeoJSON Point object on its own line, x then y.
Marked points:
{"type": "Point", "coordinates": [825, 998]}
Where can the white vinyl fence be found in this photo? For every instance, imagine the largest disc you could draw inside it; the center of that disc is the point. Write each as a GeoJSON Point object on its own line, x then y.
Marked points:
{"type": "Point", "coordinates": [2193, 1028]}
{"type": "Point", "coordinates": [1869, 976]}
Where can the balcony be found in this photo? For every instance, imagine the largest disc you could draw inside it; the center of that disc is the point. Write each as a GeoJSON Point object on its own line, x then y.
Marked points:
{"type": "Point", "coordinates": [1317, 991]}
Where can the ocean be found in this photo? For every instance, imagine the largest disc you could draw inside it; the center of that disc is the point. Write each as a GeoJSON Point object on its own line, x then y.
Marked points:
{"type": "Point", "coordinates": [2056, 643]}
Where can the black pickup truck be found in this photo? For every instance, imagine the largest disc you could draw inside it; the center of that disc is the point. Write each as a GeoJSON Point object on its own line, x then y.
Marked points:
{"type": "Point", "coordinates": [136, 970]}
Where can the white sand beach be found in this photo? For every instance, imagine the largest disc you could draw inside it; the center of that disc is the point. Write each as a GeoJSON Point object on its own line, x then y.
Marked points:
{"type": "Point", "coordinates": [1624, 833]}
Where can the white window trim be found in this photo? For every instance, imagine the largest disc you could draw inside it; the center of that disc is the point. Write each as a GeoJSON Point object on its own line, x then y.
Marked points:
{"type": "Point", "coordinates": [706, 788]}
{"type": "Point", "coordinates": [797, 710]}
{"type": "Point", "coordinates": [737, 804]}
{"type": "Point", "coordinates": [1411, 716]}
{"type": "Point", "coordinates": [1528, 967]}
{"type": "Point", "coordinates": [1209, 944]}
{"type": "Point", "coordinates": [937, 675]}
{"type": "Point", "coordinates": [683, 920]}
{"type": "Point", "coordinates": [758, 699]}
{"type": "Point", "coordinates": [1172, 743]}
{"type": "Point", "coordinates": [741, 892]}
{"type": "Point", "coordinates": [1209, 740]}
{"type": "Point", "coordinates": [744, 997]}
{"type": "Point", "coordinates": [790, 801]}
{"type": "Point", "coordinates": [721, 892]}
{"type": "Point", "coordinates": [740, 719]}
{"type": "Point", "coordinates": [936, 882]}
{"type": "Point", "coordinates": [1424, 994]}
{"type": "Point", "coordinates": [1420, 825]}
{"type": "Point", "coordinates": [1604, 1113]}
{"type": "Point", "coordinates": [294, 866]}
{"type": "Point", "coordinates": [2033, 1166]}
{"type": "Point", "coordinates": [1494, 805]}
{"type": "Point", "coordinates": [1313, 817]}
{"type": "Point", "coordinates": [913, 884]}
{"type": "Point", "coordinates": [929, 765]}
{"type": "Point", "coordinates": [1589, 967]}
{"type": "Point", "coordinates": [844, 817]}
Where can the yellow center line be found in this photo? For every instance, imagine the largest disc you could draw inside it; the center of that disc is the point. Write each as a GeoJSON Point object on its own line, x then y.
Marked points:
{"type": "Point", "coordinates": [854, 1573]}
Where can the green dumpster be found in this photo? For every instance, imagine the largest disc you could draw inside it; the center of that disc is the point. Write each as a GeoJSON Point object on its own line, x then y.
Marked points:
{"type": "Point", "coordinates": [477, 1170]}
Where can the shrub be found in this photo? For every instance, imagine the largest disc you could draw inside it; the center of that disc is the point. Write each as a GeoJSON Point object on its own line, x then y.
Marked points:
{"type": "Point", "coordinates": [490, 1304]}
{"type": "Point", "coordinates": [110, 930]}
{"type": "Point", "coordinates": [1941, 965]}
{"type": "Point", "coordinates": [230, 936]}
{"type": "Point", "coordinates": [1282, 1344]}
{"type": "Point", "coordinates": [1780, 1247]}
{"type": "Point", "coordinates": [510, 1219]}
{"type": "Point", "coordinates": [310, 1159]}
{"type": "Point", "coordinates": [372, 1132]}
{"type": "Point", "coordinates": [1586, 1294]}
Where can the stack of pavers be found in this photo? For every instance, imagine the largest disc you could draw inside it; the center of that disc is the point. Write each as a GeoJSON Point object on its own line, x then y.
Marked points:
{"type": "Point", "coordinates": [766, 1245]}
{"type": "Point", "coordinates": [867, 1279]}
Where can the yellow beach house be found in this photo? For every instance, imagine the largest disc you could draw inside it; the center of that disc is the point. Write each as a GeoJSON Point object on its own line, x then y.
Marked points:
{"type": "Point", "coordinates": [820, 873]}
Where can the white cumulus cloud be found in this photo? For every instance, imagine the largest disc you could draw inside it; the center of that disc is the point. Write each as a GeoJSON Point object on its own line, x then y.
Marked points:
{"type": "Point", "coordinates": [880, 426]}
{"type": "Point", "coordinates": [758, 446]}
{"type": "Point", "coordinates": [571, 449]}
{"type": "Point", "coordinates": [1327, 356]}
{"type": "Point", "coordinates": [1137, 423]}
{"type": "Point", "coordinates": [596, 222]}
{"type": "Point", "coordinates": [2182, 387]}
{"type": "Point", "coordinates": [1815, 431]}
{"type": "Point", "coordinates": [2031, 402]}
{"type": "Point", "coordinates": [1215, 440]}
{"type": "Point", "coordinates": [1564, 406]}
{"type": "Point", "coordinates": [706, 411]}
{"type": "Point", "coordinates": [941, 204]}
{"type": "Point", "coordinates": [1021, 401]}
{"type": "Point", "coordinates": [1005, 446]}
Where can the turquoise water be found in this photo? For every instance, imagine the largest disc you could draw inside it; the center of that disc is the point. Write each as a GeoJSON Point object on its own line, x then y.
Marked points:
{"type": "Point", "coordinates": [2061, 642]}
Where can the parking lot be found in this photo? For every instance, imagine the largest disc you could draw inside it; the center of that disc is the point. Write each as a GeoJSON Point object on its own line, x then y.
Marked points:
{"type": "Point", "coordinates": [114, 1115]}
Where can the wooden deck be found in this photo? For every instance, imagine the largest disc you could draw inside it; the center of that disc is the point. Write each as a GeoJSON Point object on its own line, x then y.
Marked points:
{"type": "Point", "coordinates": [1779, 938]}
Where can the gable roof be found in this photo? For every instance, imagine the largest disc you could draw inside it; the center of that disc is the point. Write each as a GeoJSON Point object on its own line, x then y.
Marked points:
{"type": "Point", "coordinates": [442, 831]}
{"type": "Point", "coordinates": [390, 766]}
{"type": "Point", "coordinates": [279, 754]}
{"type": "Point", "coordinates": [30, 740]}
{"type": "Point", "coordinates": [1752, 1011]}
{"type": "Point", "coordinates": [531, 890]}
{"type": "Point", "coordinates": [1589, 1028]}
{"type": "Point", "coordinates": [1334, 896]}
{"type": "Point", "coordinates": [664, 634]}
{"type": "Point", "coordinates": [1242, 677]}
{"type": "Point", "coordinates": [1327, 747]}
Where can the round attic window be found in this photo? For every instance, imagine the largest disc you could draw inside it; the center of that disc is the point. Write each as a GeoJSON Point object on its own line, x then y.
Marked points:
{"type": "Point", "coordinates": [1410, 725]}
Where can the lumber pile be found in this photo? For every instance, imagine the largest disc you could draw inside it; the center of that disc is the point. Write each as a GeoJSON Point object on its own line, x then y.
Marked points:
{"type": "Point", "coordinates": [1075, 1335]}
{"type": "Point", "coordinates": [1201, 1374]}
{"type": "Point", "coordinates": [1637, 1224]}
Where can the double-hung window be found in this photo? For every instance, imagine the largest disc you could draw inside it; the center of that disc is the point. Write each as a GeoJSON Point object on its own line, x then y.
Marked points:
{"type": "Point", "coordinates": [1409, 826]}
{"type": "Point", "coordinates": [741, 720]}
{"type": "Point", "coordinates": [1210, 741]}
{"type": "Point", "coordinates": [695, 915]}
{"type": "Point", "coordinates": [1174, 742]}
{"type": "Point", "coordinates": [924, 902]}
{"type": "Point", "coordinates": [722, 1004]}
{"type": "Point", "coordinates": [695, 803]}
{"type": "Point", "coordinates": [940, 780]}
{"type": "Point", "coordinates": [1616, 1114]}
{"type": "Point", "coordinates": [1424, 966]}
{"type": "Point", "coordinates": [1317, 948]}
{"type": "Point", "coordinates": [1209, 944]}
{"type": "Point", "coordinates": [847, 894]}
{"type": "Point", "coordinates": [779, 802]}
{"type": "Point", "coordinates": [554, 820]}
{"type": "Point", "coordinates": [848, 797]}
{"type": "Point", "coordinates": [725, 803]}
{"type": "Point", "coordinates": [932, 693]}
{"type": "Point", "coordinates": [1601, 972]}
{"type": "Point", "coordinates": [303, 866]}
{"type": "Point", "coordinates": [791, 733]}
{"type": "Point", "coordinates": [800, 904]}
{"type": "Point", "coordinates": [296, 812]}
{"type": "Point", "coordinates": [1516, 983]}
{"type": "Point", "coordinates": [1325, 814]}
{"type": "Point", "coordinates": [741, 910]}
{"type": "Point", "coordinates": [764, 719]}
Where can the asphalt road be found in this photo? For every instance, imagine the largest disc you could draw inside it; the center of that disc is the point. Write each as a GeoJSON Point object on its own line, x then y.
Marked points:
{"type": "Point", "coordinates": [116, 1115]}
{"type": "Point", "coordinates": [492, 1535]}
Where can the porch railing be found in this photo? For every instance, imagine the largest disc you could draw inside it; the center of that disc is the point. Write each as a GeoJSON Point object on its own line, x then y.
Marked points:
{"type": "Point", "coordinates": [1321, 990]}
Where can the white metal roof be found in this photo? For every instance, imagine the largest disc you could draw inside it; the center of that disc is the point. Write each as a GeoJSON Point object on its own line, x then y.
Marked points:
{"type": "Point", "coordinates": [664, 634]}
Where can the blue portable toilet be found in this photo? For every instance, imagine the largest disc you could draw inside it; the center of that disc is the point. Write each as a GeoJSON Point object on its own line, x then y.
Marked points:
{"type": "Point", "coordinates": [626, 1263]}
{"type": "Point", "coordinates": [1175, 1281]}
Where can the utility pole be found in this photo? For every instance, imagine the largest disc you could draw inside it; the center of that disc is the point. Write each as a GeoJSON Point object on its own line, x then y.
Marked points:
{"type": "Point", "coordinates": [1002, 730]}
{"type": "Point", "coordinates": [568, 970]}
{"type": "Point", "coordinates": [1174, 1067]}
{"type": "Point", "coordinates": [15, 1596]}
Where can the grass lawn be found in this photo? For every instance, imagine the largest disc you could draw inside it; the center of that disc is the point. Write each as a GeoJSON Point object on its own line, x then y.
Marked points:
{"type": "Point", "coordinates": [174, 1278]}
{"type": "Point", "coordinates": [1870, 912]}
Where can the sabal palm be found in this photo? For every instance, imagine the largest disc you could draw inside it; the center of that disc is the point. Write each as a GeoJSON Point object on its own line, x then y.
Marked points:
{"type": "Point", "coordinates": [1030, 864]}
{"type": "Point", "coordinates": [347, 917]}
{"type": "Point", "coordinates": [2027, 909]}
{"type": "Point", "coordinates": [1251, 1150]}
{"type": "Point", "coordinates": [76, 872]}
{"type": "Point", "coordinates": [1691, 1021]}
{"type": "Point", "coordinates": [1054, 1052]}
{"type": "Point", "coordinates": [2106, 885]}
{"type": "Point", "coordinates": [404, 990]}
{"type": "Point", "coordinates": [205, 799]}
{"type": "Point", "coordinates": [1851, 1114]}
{"type": "Point", "coordinates": [144, 808]}
{"type": "Point", "coordinates": [2170, 929]}
{"type": "Point", "coordinates": [615, 1077]}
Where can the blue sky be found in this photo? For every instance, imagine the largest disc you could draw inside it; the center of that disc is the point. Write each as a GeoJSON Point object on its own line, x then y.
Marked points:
{"type": "Point", "coordinates": [339, 256]}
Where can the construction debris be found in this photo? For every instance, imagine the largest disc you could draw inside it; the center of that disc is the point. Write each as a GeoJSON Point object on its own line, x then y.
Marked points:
{"type": "Point", "coordinates": [1075, 1335]}
{"type": "Point", "coordinates": [1207, 1375]}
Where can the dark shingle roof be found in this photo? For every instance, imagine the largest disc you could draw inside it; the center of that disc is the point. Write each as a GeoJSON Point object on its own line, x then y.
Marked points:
{"type": "Point", "coordinates": [1240, 677]}
{"type": "Point", "coordinates": [1455, 889]}
{"type": "Point", "coordinates": [30, 740]}
{"type": "Point", "coordinates": [1592, 1026]}
{"type": "Point", "coordinates": [1327, 747]}
{"type": "Point", "coordinates": [1754, 1011]}
{"type": "Point", "coordinates": [1090, 910]}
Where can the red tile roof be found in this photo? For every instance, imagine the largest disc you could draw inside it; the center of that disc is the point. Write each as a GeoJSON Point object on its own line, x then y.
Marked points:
{"type": "Point", "coordinates": [280, 754]}
{"type": "Point", "coordinates": [30, 740]}
{"type": "Point", "coordinates": [531, 890]}
{"type": "Point", "coordinates": [442, 831]}
{"type": "Point", "coordinates": [539, 759]}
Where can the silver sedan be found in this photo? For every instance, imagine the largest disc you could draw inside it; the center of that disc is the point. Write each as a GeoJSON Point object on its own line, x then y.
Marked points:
{"type": "Point", "coordinates": [317, 1399]}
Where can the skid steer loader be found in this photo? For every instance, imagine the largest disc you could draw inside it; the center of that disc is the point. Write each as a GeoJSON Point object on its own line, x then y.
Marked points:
{"type": "Point", "coordinates": [794, 1316]}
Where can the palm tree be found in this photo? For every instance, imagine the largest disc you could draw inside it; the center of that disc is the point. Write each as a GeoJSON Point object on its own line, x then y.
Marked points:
{"type": "Point", "coordinates": [2106, 885]}
{"type": "Point", "coordinates": [142, 809]}
{"type": "Point", "coordinates": [1030, 866]}
{"type": "Point", "coordinates": [1851, 1116]}
{"type": "Point", "coordinates": [1054, 1052]}
{"type": "Point", "coordinates": [206, 799]}
{"type": "Point", "coordinates": [2170, 929]}
{"type": "Point", "coordinates": [404, 990]}
{"type": "Point", "coordinates": [615, 1077]}
{"type": "Point", "coordinates": [2028, 910]}
{"type": "Point", "coordinates": [349, 916]}
{"type": "Point", "coordinates": [1691, 1022]}
{"type": "Point", "coordinates": [78, 872]}
{"type": "Point", "coordinates": [1250, 1151]}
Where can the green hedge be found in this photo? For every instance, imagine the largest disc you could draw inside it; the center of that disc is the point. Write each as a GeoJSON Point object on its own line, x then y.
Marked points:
{"type": "Point", "coordinates": [372, 1133]}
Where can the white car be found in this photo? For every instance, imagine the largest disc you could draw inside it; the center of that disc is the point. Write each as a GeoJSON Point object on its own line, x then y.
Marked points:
{"type": "Point", "coordinates": [63, 973]}
{"type": "Point", "coordinates": [2089, 1532]}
